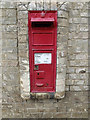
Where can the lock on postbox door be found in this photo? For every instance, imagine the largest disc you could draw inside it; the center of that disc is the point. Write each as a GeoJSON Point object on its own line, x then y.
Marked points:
{"type": "Point", "coordinates": [42, 29]}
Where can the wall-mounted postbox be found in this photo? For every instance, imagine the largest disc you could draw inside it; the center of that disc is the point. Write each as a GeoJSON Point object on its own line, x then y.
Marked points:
{"type": "Point", "coordinates": [42, 29]}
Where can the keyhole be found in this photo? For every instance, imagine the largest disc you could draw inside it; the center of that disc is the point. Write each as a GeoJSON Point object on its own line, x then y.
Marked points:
{"type": "Point", "coordinates": [37, 73]}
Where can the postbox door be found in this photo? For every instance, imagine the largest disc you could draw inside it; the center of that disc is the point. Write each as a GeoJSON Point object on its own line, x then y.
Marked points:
{"type": "Point", "coordinates": [43, 71]}
{"type": "Point", "coordinates": [42, 50]}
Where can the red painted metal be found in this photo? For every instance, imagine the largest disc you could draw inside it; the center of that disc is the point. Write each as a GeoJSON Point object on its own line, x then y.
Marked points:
{"type": "Point", "coordinates": [42, 20]}
{"type": "Point", "coordinates": [42, 30]}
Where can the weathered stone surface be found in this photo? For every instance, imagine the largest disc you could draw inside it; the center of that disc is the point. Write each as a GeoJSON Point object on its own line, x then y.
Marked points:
{"type": "Point", "coordinates": [78, 20]}
{"type": "Point", "coordinates": [62, 30]}
{"type": "Point", "coordinates": [8, 35]}
{"type": "Point", "coordinates": [22, 30]}
{"type": "Point", "coordinates": [10, 21]}
{"type": "Point", "coordinates": [9, 13]}
{"type": "Point", "coordinates": [22, 14]}
{"type": "Point", "coordinates": [79, 63]}
{"type": "Point", "coordinates": [10, 43]}
{"type": "Point", "coordinates": [10, 63]}
{"type": "Point", "coordinates": [32, 5]}
{"type": "Point", "coordinates": [22, 23]}
{"type": "Point", "coordinates": [6, 4]}
{"type": "Point", "coordinates": [54, 5]}
{"type": "Point", "coordinates": [62, 22]}
{"type": "Point", "coordinates": [9, 28]}
{"type": "Point", "coordinates": [22, 38]}
{"type": "Point", "coordinates": [9, 56]}
{"type": "Point", "coordinates": [25, 86]}
{"type": "Point", "coordinates": [9, 50]}
{"type": "Point", "coordinates": [62, 6]}
{"type": "Point", "coordinates": [62, 14]}
{"type": "Point", "coordinates": [81, 70]}
{"type": "Point", "coordinates": [78, 88]}
{"type": "Point", "coordinates": [47, 5]}
{"type": "Point", "coordinates": [72, 62]}
{"type": "Point", "coordinates": [59, 95]}
{"type": "Point", "coordinates": [40, 5]}
{"type": "Point", "coordinates": [22, 6]}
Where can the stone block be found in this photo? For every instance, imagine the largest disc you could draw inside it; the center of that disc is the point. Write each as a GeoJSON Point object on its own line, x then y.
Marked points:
{"type": "Point", "coordinates": [24, 67]}
{"type": "Point", "coordinates": [84, 14]}
{"type": "Point", "coordinates": [22, 38]}
{"type": "Point", "coordinates": [62, 22]}
{"type": "Point", "coordinates": [63, 6]}
{"type": "Point", "coordinates": [9, 49]}
{"type": "Point", "coordinates": [9, 56]}
{"type": "Point", "coordinates": [60, 88]}
{"type": "Point", "coordinates": [61, 62]}
{"type": "Point", "coordinates": [74, 13]}
{"type": "Point", "coordinates": [78, 47]}
{"type": "Point", "coordinates": [59, 95]}
{"type": "Point", "coordinates": [61, 76]}
{"type": "Point", "coordinates": [61, 69]}
{"type": "Point", "coordinates": [79, 88]}
{"type": "Point", "coordinates": [47, 115]}
{"type": "Point", "coordinates": [8, 35]}
{"type": "Point", "coordinates": [22, 6]}
{"type": "Point", "coordinates": [71, 70]}
{"type": "Point", "coordinates": [59, 82]}
{"type": "Point", "coordinates": [51, 109]}
{"type": "Point", "coordinates": [54, 5]}
{"type": "Point", "coordinates": [22, 30]}
{"type": "Point", "coordinates": [6, 4]}
{"type": "Point", "coordinates": [32, 5]}
{"type": "Point", "coordinates": [9, 13]}
{"type": "Point", "coordinates": [40, 5]}
{"type": "Point", "coordinates": [24, 61]}
{"type": "Point", "coordinates": [47, 5]}
{"type": "Point", "coordinates": [62, 30]}
{"type": "Point", "coordinates": [11, 78]}
{"type": "Point", "coordinates": [22, 23]}
{"type": "Point", "coordinates": [84, 28]}
{"type": "Point", "coordinates": [78, 76]}
{"type": "Point", "coordinates": [78, 20]}
{"type": "Point", "coordinates": [10, 43]}
{"type": "Point", "coordinates": [79, 63]}
{"type": "Point", "coordinates": [59, 115]}
{"type": "Point", "coordinates": [80, 5]}
{"type": "Point", "coordinates": [10, 63]}
{"type": "Point", "coordinates": [73, 76]}
{"type": "Point", "coordinates": [10, 69]}
{"type": "Point", "coordinates": [22, 14]}
{"type": "Point", "coordinates": [23, 54]}
{"type": "Point", "coordinates": [62, 38]}
{"type": "Point", "coordinates": [23, 46]}
{"type": "Point", "coordinates": [9, 28]}
{"type": "Point", "coordinates": [62, 14]}
{"type": "Point", "coordinates": [10, 20]}
{"type": "Point", "coordinates": [77, 82]}
{"type": "Point", "coordinates": [82, 70]}
{"type": "Point", "coordinates": [82, 56]}
{"type": "Point", "coordinates": [67, 88]}
{"type": "Point", "coordinates": [41, 95]}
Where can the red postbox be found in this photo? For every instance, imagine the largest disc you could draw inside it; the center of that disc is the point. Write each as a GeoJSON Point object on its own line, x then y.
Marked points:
{"type": "Point", "coordinates": [42, 29]}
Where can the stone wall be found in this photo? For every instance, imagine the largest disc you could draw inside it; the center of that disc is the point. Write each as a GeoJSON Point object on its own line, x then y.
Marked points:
{"type": "Point", "coordinates": [0, 63]}
{"type": "Point", "coordinates": [72, 61]}
{"type": "Point", "coordinates": [62, 38]}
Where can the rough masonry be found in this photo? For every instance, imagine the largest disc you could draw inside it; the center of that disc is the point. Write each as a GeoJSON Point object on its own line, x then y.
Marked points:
{"type": "Point", "coordinates": [71, 98]}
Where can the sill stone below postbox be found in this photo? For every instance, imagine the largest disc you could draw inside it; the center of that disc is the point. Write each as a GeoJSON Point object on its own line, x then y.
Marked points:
{"type": "Point", "coordinates": [56, 95]}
